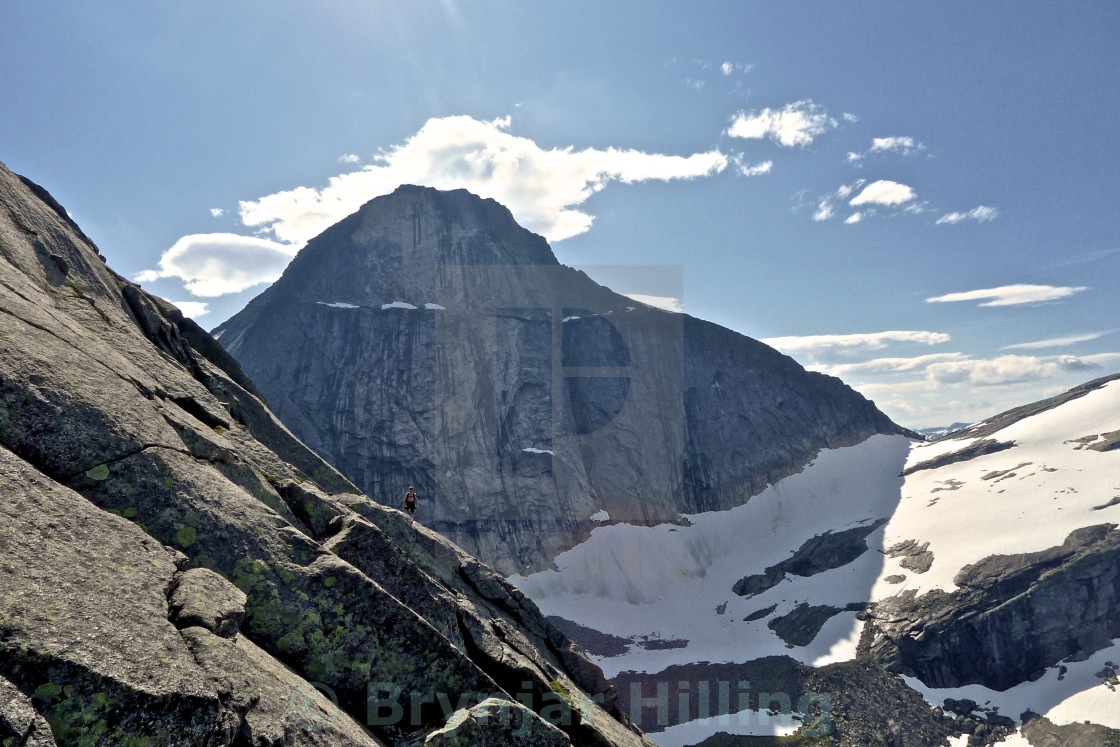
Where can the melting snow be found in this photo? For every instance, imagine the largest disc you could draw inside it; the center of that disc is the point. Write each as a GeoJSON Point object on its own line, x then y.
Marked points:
{"type": "Point", "coordinates": [630, 581]}
{"type": "Point", "coordinates": [435, 306]}
{"type": "Point", "coordinates": [531, 450]}
{"type": "Point", "coordinates": [338, 305]}
{"type": "Point", "coordinates": [397, 305]}
{"type": "Point", "coordinates": [1080, 695]}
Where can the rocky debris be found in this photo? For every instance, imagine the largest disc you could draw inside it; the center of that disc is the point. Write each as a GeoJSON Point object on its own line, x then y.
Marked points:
{"type": "Point", "coordinates": [1108, 442]}
{"type": "Point", "coordinates": [1003, 474]}
{"type": "Point", "coordinates": [821, 553]}
{"type": "Point", "coordinates": [1114, 501]}
{"type": "Point", "coordinates": [496, 723]}
{"type": "Point", "coordinates": [592, 641]}
{"type": "Point", "coordinates": [680, 693]}
{"type": "Point", "coordinates": [667, 415]}
{"type": "Point", "coordinates": [20, 724]}
{"type": "Point", "coordinates": [1039, 731]}
{"type": "Point", "coordinates": [896, 578]}
{"type": "Point", "coordinates": [978, 449]}
{"type": "Point", "coordinates": [144, 481]}
{"type": "Point", "coordinates": [847, 704]}
{"type": "Point", "coordinates": [201, 597]}
{"type": "Point", "coordinates": [1011, 617]}
{"type": "Point", "coordinates": [800, 626]}
{"type": "Point", "coordinates": [759, 614]}
{"type": "Point", "coordinates": [867, 706]}
{"type": "Point", "coordinates": [915, 557]}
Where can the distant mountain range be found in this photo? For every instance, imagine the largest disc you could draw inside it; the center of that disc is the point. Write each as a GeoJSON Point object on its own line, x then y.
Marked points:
{"type": "Point", "coordinates": [933, 434]}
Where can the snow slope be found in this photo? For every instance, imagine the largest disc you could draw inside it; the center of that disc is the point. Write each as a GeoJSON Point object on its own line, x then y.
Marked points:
{"type": "Point", "coordinates": [668, 589]}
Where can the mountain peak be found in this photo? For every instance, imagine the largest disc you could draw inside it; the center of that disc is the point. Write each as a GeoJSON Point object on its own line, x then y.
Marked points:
{"type": "Point", "coordinates": [429, 340]}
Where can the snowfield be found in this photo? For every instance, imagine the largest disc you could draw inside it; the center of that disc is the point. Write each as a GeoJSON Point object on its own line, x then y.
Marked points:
{"type": "Point", "coordinates": [673, 583]}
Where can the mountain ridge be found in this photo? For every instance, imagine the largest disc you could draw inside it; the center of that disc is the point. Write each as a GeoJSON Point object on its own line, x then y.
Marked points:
{"type": "Point", "coordinates": [176, 568]}
{"type": "Point", "coordinates": [387, 326]}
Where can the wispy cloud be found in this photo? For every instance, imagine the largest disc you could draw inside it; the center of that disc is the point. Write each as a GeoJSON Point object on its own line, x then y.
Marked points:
{"type": "Point", "coordinates": [1011, 295]}
{"type": "Point", "coordinates": [903, 144]}
{"type": "Point", "coordinates": [878, 366]}
{"type": "Point", "coordinates": [980, 213]}
{"type": "Point", "coordinates": [837, 347]}
{"type": "Point", "coordinates": [544, 188]}
{"type": "Point", "coordinates": [667, 303]}
{"type": "Point", "coordinates": [1056, 342]}
{"type": "Point", "coordinates": [727, 68]}
{"type": "Point", "coordinates": [849, 117]}
{"type": "Point", "coordinates": [1014, 369]}
{"type": "Point", "coordinates": [217, 212]}
{"type": "Point", "coordinates": [798, 123]}
{"type": "Point", "coordinates": [349, 158]}
{"type": "Point", "coordinates": [214, 264]}
{"type": "Point", "coordinates": [883, 192]}
{"type": "Point", "coordinates": [746, 168]}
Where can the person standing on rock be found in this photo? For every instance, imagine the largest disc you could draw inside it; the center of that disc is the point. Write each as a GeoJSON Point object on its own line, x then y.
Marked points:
{"type": "Point", "coordinates": [410, 501]}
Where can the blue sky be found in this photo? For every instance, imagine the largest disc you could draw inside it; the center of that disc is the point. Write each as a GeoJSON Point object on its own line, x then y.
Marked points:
{"type": "Point", "coordinates": [820, 171]}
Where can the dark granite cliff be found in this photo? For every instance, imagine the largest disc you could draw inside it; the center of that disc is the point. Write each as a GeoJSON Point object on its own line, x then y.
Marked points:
{"type": "Point", "coordinates": [429, 340]}
{"type": "Point", "coordinates": [177, 569]}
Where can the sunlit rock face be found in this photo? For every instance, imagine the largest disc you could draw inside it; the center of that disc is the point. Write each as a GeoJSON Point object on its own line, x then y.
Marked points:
{"type": "Point", "coordinates": [176, 568]}
{"type": "Point", "coordinates": [429, 340]}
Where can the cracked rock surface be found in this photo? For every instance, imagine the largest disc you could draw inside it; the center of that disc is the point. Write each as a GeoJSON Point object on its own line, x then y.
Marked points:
{"type": "Point", "coordinates": [164, 578]}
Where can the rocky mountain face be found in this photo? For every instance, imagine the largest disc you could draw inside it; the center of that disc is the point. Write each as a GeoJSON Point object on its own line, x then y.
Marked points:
{"type": "Point", "coordinates": [176, 568]}
{"type": "Point", "coordinates": [1008, 616]}
{"type": "Point", "coordinates": [428, 340]}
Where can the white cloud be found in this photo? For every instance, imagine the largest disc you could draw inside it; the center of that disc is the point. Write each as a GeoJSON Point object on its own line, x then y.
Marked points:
{"type": "Point", "coordinates": [192, 309]}
{"type": "Point", "coordinates": [1011, 295]}
{"type": "Point", "coordinates": [1056, 342]}
{"type": "Point", "coordinates": [795, 124]}
{"type": "Point", "coordinates": [217, 212]}
{"type": "Point", "coordinates": [824, 211]}
{"type": "Point", "coordinates": [1013, 369]}
{"type": "Point", "coordinates": [214, 264]}
{"type": "Point", "coordinates": [883, 192]}
{"type": "Point", "coordinates": [667, 303]}
{"type": "Point", "coordinates": [849, 117]}
{"type": "Point", "coordinates": [877, 366]}
{"type": "Point", "coordinates": [904, 145]}
{"type": "Point", "coordinates": [543, 188]}
{"type": "Point", "coordinates": [746, 168]}
{"type": "Point", "coordinates": [979, 213]}
{"type": "Point", "coordinates": [349, 158]}
{"type": "Point", "coordinates": [727, 68]}
{"type": "Point", "coordinates": [845, 346]}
